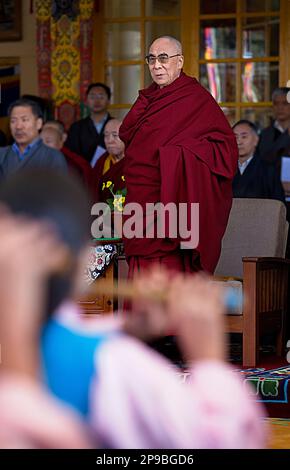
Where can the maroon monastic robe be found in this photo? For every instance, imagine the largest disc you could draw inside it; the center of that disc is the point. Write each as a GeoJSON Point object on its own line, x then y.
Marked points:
{"type": "Point", "coordinates": [180, 148]}
{"type": "Point", "coordinates": [81, 167]}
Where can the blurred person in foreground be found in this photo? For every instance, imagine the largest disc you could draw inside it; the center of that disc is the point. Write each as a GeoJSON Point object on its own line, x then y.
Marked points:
{"type": "Point", "coordinates": [129, 396]}
{"type": "Point", "coordinates": [29, 416]}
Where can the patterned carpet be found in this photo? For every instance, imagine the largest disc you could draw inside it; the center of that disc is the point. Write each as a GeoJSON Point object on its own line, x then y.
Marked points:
{"type": "Point", "coordinates": [269, 386]}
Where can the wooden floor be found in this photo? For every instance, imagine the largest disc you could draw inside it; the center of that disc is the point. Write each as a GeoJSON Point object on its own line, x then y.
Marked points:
{"type": "Point", "coordinates": [279, 433]}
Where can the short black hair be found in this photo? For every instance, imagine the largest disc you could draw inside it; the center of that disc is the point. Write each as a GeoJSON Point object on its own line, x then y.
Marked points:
{"type": "Point", "coordinates": [46, 194]}
{"type": "Point", "coordinates": [251, 124]}
{"type": "Point", "coordinates": [280, 91]}
{"type": "Point", "coordinates": [102, 85]}
{"type": "Point", "coordinates": [26, 103]}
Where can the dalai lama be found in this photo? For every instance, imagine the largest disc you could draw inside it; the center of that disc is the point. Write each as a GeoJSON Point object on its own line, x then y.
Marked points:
{"type": "Point", "coordinates": [179, 149]}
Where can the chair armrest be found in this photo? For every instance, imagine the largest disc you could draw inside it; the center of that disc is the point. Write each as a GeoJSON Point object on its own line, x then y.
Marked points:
{"type": "Point", "coordinates": [227, 278]}
{"type": "Point", "coordinates": [264, 259]}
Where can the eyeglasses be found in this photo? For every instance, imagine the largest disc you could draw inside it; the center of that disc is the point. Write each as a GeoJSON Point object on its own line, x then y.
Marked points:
{"type": "Point", "coordinates": [162, 58]}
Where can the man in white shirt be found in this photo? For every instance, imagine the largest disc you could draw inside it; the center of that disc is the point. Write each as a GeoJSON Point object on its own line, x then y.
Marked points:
{"type": "Point", "coordinates": [255, 177]}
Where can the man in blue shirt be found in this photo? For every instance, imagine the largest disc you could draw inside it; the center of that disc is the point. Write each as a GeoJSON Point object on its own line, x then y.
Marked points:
{"type": "Point", "coordinates": [28, 149]}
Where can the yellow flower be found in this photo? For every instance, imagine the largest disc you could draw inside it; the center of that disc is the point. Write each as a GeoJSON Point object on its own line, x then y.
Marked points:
{"type": "Point", "coordinates": [109, 183]}
{"type": "Point", "coordinates": [118, 205]}
{"type": "Point", "coordinates": [123, 178]}
{"type": "Point", "coordinates": [103, 187]}
{"type": "Point", "coordinates": [118, 202]}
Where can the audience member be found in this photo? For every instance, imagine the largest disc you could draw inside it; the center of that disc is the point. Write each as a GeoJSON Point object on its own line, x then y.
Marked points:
{"type": "Point", "coordinates": [86, 136]}
{"type": "Point", "coordinates": [255, 177]}
{"type": "Point", "coordinates": [53, 135]}
{"type": "Point", "coordinates": [275, 139]}
{"type": "Point", "coordinates": [109, 170]}
{"type": "Point", "coordinates": [129, 395]}
{"type": "Point", "coordinates": [28, 149]}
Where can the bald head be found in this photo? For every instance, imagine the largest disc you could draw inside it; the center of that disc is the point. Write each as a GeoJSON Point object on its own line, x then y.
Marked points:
{"type": "Point", "coordinates": [113, 123]}
{"type": "Point", "coordinates": [53, 134]}
{"type": "Point", "coordinates": [169, 40]}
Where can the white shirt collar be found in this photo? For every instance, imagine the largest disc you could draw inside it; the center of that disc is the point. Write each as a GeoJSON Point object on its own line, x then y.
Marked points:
{"type": "Point", "coordinates": [243, 166]}
{"type": "Point", "coordinates": [278, 126]}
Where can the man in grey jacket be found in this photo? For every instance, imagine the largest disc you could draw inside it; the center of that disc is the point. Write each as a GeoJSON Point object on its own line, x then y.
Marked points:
{"type": "Point", "coordinates": [28, 150]}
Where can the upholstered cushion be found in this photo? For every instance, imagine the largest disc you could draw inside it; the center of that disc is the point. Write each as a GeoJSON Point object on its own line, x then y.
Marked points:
{"type": "Point", "coordinates": [256, 227]}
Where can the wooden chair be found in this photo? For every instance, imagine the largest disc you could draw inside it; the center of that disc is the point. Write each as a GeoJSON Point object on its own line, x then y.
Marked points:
{"type": "Point", "coordinates": [253, 249]}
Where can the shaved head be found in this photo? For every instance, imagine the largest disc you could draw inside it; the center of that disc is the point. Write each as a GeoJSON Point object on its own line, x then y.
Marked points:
{"type": "Point", "coordinates": [173, 41]}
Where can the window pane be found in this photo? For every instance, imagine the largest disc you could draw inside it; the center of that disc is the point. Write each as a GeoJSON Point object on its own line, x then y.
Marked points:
{"type": "Point", "coordinates": [230, 114]}
{"type": "Point", "coordinates": [260, 5]}
{"type": "Point", "coordinates": [220, 80]}
{"type": "Point", "coordinates": [122, 41]}
{"type": "Point", "coordinates": [148, 78]}
{"type": "Point", "coordinates": [260, 37]}
{"type": "Point", "coordinates": [260, 116]}
{"type": "Point", "coordinates": [221, 6]}
{"type": "Point", "coordinates": [218, 39]}
{"type": "Point", "coordinates": [259, 80]}
{"type": "Point", "coordinates": [124, 82]}
{"type": "Point", "coordinates": [155, 29]}
{"type": "Point", "coordinates": [163, 8]}
{"type": "Point", "coordinates": [122, 8]}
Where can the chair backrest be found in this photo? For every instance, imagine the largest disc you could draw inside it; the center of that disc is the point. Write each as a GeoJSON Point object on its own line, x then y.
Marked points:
{"type": "Point", "coordinates": [256, 227]}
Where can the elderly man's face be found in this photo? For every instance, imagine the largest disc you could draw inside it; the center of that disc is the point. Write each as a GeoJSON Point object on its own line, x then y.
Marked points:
{"type": "Point", "coordinates": [24, 125]}
{"type": "Point", "coordinates": [164, 74]}
{"type": "Point", "coordinates": [114, 145]}
{"type": "Point", "coordinates": [51, 137]}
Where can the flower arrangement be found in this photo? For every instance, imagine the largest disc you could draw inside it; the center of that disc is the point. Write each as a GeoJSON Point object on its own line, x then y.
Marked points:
{"type": "Point", "coordinates": [117, 202]}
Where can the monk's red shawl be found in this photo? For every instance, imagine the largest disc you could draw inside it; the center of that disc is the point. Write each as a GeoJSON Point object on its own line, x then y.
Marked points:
{"type": "Point", "coordinates": [180, 148]}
